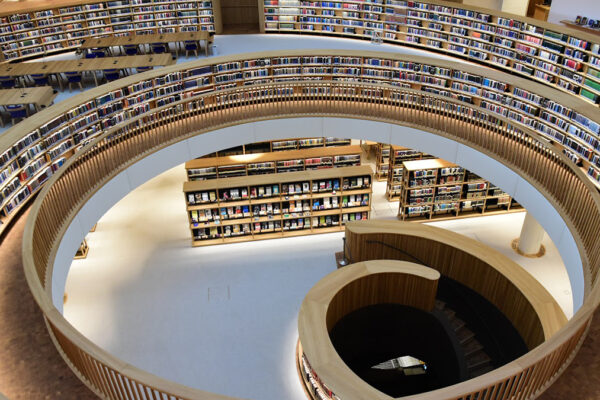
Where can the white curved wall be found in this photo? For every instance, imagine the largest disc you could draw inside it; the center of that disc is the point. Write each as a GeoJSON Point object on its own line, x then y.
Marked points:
{"type": "Point", "coordinates": [203, 144]}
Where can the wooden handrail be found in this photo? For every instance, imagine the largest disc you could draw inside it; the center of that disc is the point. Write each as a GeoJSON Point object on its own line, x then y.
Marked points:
{"type": "Point", "coordinates": [118, 148]}
{"type": "Point", "coordinates": [521, 149]}
{"type": "Point", "coordinates": [489, 273]}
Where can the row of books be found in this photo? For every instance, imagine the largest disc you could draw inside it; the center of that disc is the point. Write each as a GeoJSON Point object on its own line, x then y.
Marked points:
{"type": "Point", "coordinates": [278, 208]}
{"type": "Point", "coordinates": [232, 230]}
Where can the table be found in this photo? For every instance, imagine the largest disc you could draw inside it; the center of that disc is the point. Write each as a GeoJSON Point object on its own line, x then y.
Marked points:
{"type": "Point", "coordinates": [584, 28]}
{"type": "Point", "coordinates": [40, 97]}
{"type": "Point", "coordinates": [85, 65]}
{"type": "Point", "coordinates": [178, 37]}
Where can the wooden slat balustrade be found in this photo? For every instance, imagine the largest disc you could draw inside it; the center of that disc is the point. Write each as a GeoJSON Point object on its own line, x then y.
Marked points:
{"type": "Point", "coordinates": [522, 150]}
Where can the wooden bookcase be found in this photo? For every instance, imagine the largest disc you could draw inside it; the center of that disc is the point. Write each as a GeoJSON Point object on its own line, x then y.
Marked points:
{"type": "Point", "coordinates": [438, 189]}
{"type": "Point", "coordinates": [82, 251]}
{"type": "Point", "coordinates": [382, 161]}
{"type": "Point", "coordinates": [62, 129]}
{"type": "Point", "coordinates": [270, 163]}
{"type": "Point", "coordinates": [281, 145]}
{"type": "Point", "coordinates": [395, 181]}
{"type": "Point", "coordinates": [561, 57]}
{"type": "Point", "coordinates": [277, 205]}
{"type": "Point", "coordinates": [29, 30]}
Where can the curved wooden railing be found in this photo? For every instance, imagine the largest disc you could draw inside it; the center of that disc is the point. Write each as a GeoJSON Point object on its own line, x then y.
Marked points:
{"type": "Point", "coordinates": [523, 300]}
{"type": "Point", "coordinates": [337, 295]}
{"type": "Point", "coordinates": [523, 150]}
{"type": "Point", "coordinates": [533, 311]}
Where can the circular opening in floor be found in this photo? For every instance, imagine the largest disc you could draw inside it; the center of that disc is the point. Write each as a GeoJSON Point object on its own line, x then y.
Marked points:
{"type": "Point", "coordinates": [375, 334]}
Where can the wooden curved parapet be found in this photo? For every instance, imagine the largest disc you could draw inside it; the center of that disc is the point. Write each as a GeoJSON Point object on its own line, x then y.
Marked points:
{"type": "Point", "coordinates": [348, 289]}
{"type": "Point", "coordinates": [504, 283]}
{"type": "Point", "coordinates": [375, 282]}
{"type": "Point", "coordinates": [199, 110]}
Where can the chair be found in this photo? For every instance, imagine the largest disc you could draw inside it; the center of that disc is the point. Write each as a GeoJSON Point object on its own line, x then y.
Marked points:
{"type": "Point", "coordinates": [158, 48]}
{"type": "Point", "coordinates": [130, 49]}
{"type": "Point", "coordinates": [18, 111]}
{"type": "Point", "coordinates": [90, 55]}
{"type": "Point", "coordinates": [73, 77]}
{"type": "Point", "coordinates": [40, 79]}
{"type": "Point", "coordinates": [7, 82]}
{"type": "Point", "coordinates": [143, 69]}
{"type": "Point", "coordinates": [100, 53]}
{"type": "Point", "coordinates": [191, 45]}
{"type": "Point", "coordinates": [111, 74]}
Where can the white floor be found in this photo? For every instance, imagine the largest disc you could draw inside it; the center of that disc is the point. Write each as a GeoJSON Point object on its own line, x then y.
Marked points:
{"type": "Point", "coordinates": [223, 318]}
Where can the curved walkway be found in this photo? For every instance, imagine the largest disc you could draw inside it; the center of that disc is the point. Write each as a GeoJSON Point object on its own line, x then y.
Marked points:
{"type": "Point", "coordinates": [31, 368]}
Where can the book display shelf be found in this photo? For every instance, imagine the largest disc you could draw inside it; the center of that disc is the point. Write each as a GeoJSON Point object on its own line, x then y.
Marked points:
{"type": "Point", "coordinates": [281, 145]}
{"type": "Point", "coordinates": [382, 161]}
{"type": "Point", "coordinates": [271, 163]}
{"type": "Point", "coordinates": [560, 57]}
{"type": "Point", "coordinates": [82, 251]}
{"type": "Point", "coordinates": [49, 27]}
{"type": "Point", "coordinates": [436, 189]}
{"type": "Point", "coordinates": [277, 205]}
{"type": "Point", "coordinates": [55, 133]}
{"type": "Point", "coordinates": [395, 181]}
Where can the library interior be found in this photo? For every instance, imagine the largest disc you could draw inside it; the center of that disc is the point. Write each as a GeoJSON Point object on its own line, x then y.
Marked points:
{"type": "Point", "coordinates": [289, 199]}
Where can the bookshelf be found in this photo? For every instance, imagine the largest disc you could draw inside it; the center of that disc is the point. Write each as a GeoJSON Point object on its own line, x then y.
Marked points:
{"type": "Point", "coordinates": [438, 189]}
{"type": "Point", "coordinates": [398, 155]}
{"type": "Point", "coordinates": [382, 161]}
{"type": "Point", "coordinates": [82, 251]}
{"type": "Point", "coordinates": [29, 30]}
{"type": "Point", "coordinates": [281, 145]}
{"type": "Point", "coordinates": [554, 55]}
{"type": "Point", "coordinates": [271, 163]}
{"type": "Point", "coordinates": [40, 144]}
{"type": "Point", "coordinates": [277, 205]}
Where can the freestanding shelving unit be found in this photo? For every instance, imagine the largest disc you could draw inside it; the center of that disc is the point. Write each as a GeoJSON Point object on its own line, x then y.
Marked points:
{"type": "Point", "coordinates": [398, 155]}
{"type": "Point", "coordinates": [35, 30]}
{"type": "Point", "coordinates": [436, 188]}
{"type": "Point", "coordinates": [271, 163]}
{"type": "Point", "coordinates": [382, 161]}
{"type": "Point", "coordinates": [277, 205]}
{"type": "Point", "coordinates": [281, 145]}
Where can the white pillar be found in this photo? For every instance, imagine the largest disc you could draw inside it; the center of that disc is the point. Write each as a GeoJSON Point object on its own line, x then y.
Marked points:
{"type": "Point", "coordinates": [531, 237]}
